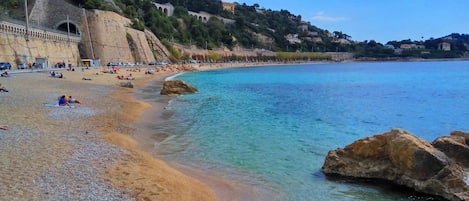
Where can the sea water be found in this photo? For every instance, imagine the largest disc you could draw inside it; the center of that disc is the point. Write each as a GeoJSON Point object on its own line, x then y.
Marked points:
{"type": "Point", "coordinates": [274, 125]}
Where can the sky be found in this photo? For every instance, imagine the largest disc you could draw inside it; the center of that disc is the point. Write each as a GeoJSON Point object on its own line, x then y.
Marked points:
{"type": "Point", "coordinates": [379, 20]}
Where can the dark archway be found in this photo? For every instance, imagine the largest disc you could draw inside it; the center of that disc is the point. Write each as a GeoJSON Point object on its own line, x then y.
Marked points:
{"type": "Point", "coordinates": [73, 28]}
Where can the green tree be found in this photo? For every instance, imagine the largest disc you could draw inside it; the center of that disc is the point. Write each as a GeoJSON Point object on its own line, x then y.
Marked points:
{"type": "Point", "coordinates": [214, 57]}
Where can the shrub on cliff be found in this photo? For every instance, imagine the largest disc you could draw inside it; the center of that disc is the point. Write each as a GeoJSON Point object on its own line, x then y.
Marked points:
{"type": "Point", "coordinates": [137, 24]}
{"type": "Point", "coordinates": [176, 54]}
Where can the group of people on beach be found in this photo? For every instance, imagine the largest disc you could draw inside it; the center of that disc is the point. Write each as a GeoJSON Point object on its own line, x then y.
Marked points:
{"type": "Point", "coordinates": [130, 77]}
{"type": "Point", "coordinates": [67, 100]}
{"type": "Point", "coordinates": [56, 74]}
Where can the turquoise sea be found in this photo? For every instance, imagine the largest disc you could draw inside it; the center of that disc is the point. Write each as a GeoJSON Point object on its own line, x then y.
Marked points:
{"type": "Point", "coordinates": [273, 126]}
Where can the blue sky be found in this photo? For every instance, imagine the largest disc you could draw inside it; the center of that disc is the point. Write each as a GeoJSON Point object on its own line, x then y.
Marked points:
{"type": "Point", "coordinates": [378, 20]}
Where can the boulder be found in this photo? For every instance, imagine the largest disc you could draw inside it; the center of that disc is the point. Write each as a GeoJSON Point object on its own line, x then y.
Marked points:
{"type": "Point", "coordinates": [126, 84]}
{"type": "Point", "coordinates": [455, 147]}
{"type": "Point", "coordinates": [402, 158]}
{"type": "Point", "coordinates": [177, 87]}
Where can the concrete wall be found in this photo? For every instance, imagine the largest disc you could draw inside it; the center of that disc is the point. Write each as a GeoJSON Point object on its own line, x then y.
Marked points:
{"type": "Point", "coordinates": [51, 13]}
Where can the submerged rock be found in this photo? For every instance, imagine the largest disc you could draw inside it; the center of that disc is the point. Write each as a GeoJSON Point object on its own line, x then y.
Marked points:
{"type": "Point", "coordinates": [177, 87]}
{"type": "Point", "coordinates": [400, 157]}
{"type": "Point", "coordinates": [126, 84]}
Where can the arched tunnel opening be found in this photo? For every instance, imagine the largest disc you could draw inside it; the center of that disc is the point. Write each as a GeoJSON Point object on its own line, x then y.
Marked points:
{"type": "Point", "coordinates": [73, 28]}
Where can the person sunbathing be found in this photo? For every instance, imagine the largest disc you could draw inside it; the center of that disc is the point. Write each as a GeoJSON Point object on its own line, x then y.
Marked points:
{"type": "Point", "coordinates": [3, 89]}
{"type": "Point", "coordinates": [63, 101]}
{"type": "Point", "coordinates": [130, 77]}
{"type": "Point", "coordinates": [4, 127]}
{"type": "Point", "coordinates": [5, 74]}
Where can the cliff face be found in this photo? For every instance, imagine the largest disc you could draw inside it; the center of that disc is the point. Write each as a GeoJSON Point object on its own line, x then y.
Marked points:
{"type": "Point", "coordinates": [113, 41]}
{"type": "Point", "coordinates": [100, 34]}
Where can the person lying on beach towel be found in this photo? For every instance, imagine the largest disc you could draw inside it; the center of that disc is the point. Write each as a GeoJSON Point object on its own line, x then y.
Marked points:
{"type": "Point", "coordinates": [3, 89]}
{"type": "Point", "coordinates": [4, 127]}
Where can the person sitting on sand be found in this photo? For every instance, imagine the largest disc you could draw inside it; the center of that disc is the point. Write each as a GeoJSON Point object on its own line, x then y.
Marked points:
{"type": "Point", "coordinates": [3, 89]}
{"type": "Point", "coordinates": [130, 77]}
{"type": "Point", "coordinates": [4, 127]}
{"type": "Point", "coordinates": [63, 101]}
{"type": "Point", "coordinates": [5, 74]}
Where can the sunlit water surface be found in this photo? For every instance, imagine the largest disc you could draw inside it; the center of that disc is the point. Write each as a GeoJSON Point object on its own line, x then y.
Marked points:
{"type": "Point", "coordinates": [273, 126]}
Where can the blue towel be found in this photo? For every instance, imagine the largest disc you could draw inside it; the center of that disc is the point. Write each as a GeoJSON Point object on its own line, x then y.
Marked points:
{"type": "Point", "coordinates": [57, 105]}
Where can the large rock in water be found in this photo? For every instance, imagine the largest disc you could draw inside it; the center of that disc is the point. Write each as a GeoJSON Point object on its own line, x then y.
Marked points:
{"type": "Point", "coordinates": [177, 87]}
{"type": "Point", "coordinates": [402, 158]}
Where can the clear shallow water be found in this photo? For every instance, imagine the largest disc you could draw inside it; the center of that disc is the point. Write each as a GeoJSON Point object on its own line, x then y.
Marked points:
{"type": "Point", "coordinates": [276, 124]}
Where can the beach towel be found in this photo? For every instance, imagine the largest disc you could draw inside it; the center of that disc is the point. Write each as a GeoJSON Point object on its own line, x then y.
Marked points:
{"type": "Point", "coordinates": [57, 105]}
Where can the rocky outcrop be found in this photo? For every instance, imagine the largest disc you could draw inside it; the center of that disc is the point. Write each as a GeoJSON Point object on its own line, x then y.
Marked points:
{"type": "Point", "coordinates": [159, 50]}
{"type": "Point", "coordinates": [402, 158]}
{"type": "Point", "coordinates": [455, 147]}
{"type": "Point", "coordinates": [177, 87]}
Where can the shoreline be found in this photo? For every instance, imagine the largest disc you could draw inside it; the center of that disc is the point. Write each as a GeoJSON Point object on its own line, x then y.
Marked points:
{"type": "Point", "coordinates": [101, 142]}
{"type": "Point", "coordinates": [223, 187]}
{"type": "Point", "coordinates": [99, 137]}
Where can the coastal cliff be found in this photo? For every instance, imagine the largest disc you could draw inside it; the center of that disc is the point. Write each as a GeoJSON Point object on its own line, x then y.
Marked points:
{"type": "Point", "coordinates": [94, 34]}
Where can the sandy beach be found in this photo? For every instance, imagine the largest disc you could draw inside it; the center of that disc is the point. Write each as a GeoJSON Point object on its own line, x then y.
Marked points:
{"type": "Point", "coordinates": [91, 151]}
{"type": "Point", "coordinates": [81, 153]}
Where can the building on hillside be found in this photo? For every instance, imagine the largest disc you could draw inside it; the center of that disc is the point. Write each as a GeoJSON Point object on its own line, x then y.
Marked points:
{"type": "Point", "coordinates": [230, 7]}
{"type": "Point", "coordinates": [342, 41]}
{"type": "Point", "coordinates": [303, 26]}
{"type": "Point", "coordinates": [406, 46]}
{"type": "Point", "coordinates": [167, 8]}
{"type": "Point", "coordinates": [293, 38]}
{"type": "Point", "coordinates": [204, 17]}
{"type": "Point", "coordinates": [445, 46]}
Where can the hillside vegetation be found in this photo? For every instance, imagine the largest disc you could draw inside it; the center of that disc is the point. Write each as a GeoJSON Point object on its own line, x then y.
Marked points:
{"type": "Point", "coordinates": [256, 27]}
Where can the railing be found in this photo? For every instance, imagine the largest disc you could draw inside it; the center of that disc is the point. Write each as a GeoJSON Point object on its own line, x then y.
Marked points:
{"type": "Point", "coordinates": [19, 28]}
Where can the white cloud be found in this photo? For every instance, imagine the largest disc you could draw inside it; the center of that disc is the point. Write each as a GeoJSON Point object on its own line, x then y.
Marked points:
{"type": "Point", "coordinates": [320, 16]}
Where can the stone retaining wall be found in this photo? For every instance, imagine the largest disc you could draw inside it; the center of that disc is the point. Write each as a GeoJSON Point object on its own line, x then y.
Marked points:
{"type": "Point", "coordinates": [55, 47]}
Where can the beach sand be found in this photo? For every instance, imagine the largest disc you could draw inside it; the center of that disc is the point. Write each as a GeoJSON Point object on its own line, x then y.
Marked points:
{"type": "Point", "coordinates": [81, 153]}
{"type": "Point", "coordinates": [92, 151]}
